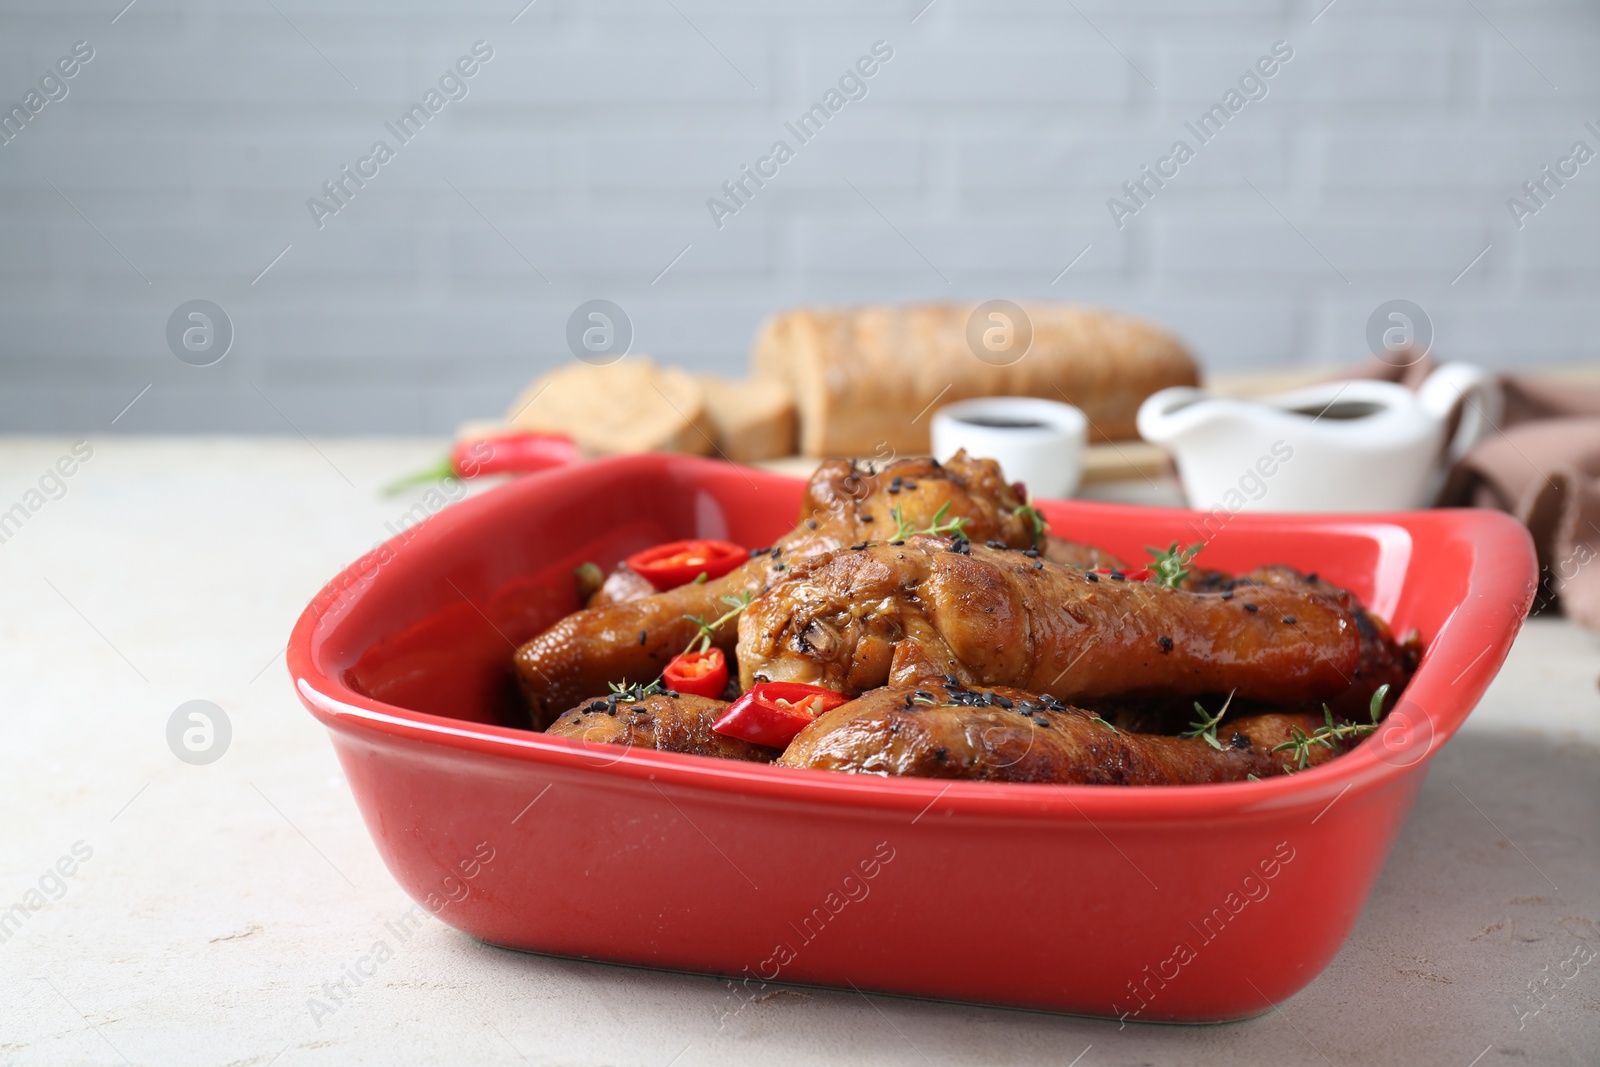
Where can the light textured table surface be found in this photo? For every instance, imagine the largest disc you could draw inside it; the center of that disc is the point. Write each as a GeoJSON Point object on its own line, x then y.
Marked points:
{"type": "Point", "coordinates": [216, 900]}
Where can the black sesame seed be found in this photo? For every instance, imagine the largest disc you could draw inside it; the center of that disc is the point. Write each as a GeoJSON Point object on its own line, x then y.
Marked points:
{"type": "Point", "coordinates": [1288, 620]}
{"type": "Point", "coordinates": [777, 551]}
{"type": "Point", "coordinates": [996, 544]}
{"type": "Point", "coordinates": [1031, 553]}
{"type": "Point", "coordinates": [909, 485]}
{"type": "Point", "coordinates": [897, 542]}
{"type": "Point", "coordinates": [1118, 576]}
{"type": "Point", "coordinates": [641, 637]}
{"type": "Point", "coordinates": [1251, 607]}
{"type": "Point", "coordinates": [940, 755]}
{"type": "Point", "coordinates": [1311, 577]}
{"type": "Point", "coordinates": [763, 550]}
{"type": "Point", "coordinates": [1004, 702]}
{"type": "Point", "coordinates": [611, 712]}
{"type": "Point", "coordinates": [1239, 741]}
{"type": "Point", "coordinates": [1227, 594]}
{"type": "Point", "coordinates": [859, 547]}
{"type": "Point", "coordinates": [1039, 565]}
{"type": "Point", "coordinates": [672, 694]}
{"type": "Point", "coordinates": [866, 518]}
{"type": "Point", "coordinates": [811, 524]}
{"type": "Point", "coordinates": [1092, 576]}
{"type": "Point", "coordinates": [1165, 642]}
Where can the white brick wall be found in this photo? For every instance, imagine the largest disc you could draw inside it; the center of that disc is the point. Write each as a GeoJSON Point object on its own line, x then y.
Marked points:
{"type": "Point", "coordinates": [592, 139]}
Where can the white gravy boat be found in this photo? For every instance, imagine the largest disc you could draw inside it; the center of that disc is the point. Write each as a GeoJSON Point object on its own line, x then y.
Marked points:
{"type": "Point", "coordinates": [1341, 446]}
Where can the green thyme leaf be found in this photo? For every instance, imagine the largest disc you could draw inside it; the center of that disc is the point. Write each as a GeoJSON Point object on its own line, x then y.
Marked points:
{"type": "Point", "coordinates": [1171, 566]}
{"type": "Point", "coordinates": [1206, 728]}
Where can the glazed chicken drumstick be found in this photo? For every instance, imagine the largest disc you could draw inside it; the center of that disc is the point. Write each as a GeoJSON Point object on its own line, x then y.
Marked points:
{"type": "Point", "coordinates": [844, 504]}
{"type": "Point", "coordinates": [905, 611]}
{"type": "Point", "coordinates": [658, 719]}
{"type": "Point", "coordinates": [1010, 735]}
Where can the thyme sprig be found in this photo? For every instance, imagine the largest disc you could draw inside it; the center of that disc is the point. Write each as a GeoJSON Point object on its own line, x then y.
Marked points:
{"type": "Point", "coordinates": [707, 630]}
{"type": "Point", "coordinates": [635, 692]}
{"type": "Point", "coordinates": [939, 527]}
{"type": "Point", "coordinates": [1206, 728]}
{"type": "Point", "coordinates": [1331, 735]}
{"type": "Point", "coordinates": [1171, 566]}
{"type": "Point", "coordinates": [1102, 722]}
{"type": "Point", "coordinates": [1033, 516]}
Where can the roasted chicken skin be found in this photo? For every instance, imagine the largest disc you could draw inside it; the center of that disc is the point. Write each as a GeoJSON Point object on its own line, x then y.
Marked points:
{"type": "Point", "coordinates": [897, 613]}
{"type": "Point", "coordinates": [844, 504]}
{"type": "Point", "coordinates": [622, 586]}
{"type": "Point", "coordinates": [1384, 661]}
{"type": "Point", "coordinates": [1010, 735]}
{"type": "Point", "coordinates": [1073, 554]}
{"type": "Point", "coordinates": [669, 722]}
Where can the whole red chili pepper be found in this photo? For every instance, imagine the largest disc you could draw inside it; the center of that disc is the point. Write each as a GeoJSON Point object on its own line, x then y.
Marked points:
{"type": "Point", "coordinates": [521, 453]}
{"type": "Point", "coordinates": [705, 674]}
{"type": "Point", "coordinates": [772, 713]}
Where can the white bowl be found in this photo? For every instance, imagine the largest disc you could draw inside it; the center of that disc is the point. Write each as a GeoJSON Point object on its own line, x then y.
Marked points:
{"type": "Point", "coordinates": [1037, 442]}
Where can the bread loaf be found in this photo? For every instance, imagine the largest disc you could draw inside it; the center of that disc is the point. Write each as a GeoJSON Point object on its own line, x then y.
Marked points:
{"type": "Point", "coordinates": [753, 418]}
{"type": "Point", "coordinates": [629, 406]}
{"type": "Point", "coordinates": [865, 379]}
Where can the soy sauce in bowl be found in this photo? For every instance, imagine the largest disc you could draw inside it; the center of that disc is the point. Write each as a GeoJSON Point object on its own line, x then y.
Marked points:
{"type": "Point", "coordinates": [1002, 422]}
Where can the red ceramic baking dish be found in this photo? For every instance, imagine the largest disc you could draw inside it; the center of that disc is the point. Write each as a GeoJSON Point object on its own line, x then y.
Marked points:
{"type": "Point", "coordinates": [1185, 903]}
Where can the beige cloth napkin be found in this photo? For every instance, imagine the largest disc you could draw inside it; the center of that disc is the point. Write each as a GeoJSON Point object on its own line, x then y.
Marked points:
{"type": "Point", "coordinates": [1541, 464]}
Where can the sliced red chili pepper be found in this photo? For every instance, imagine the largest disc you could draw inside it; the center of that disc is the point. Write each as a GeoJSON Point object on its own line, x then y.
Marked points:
{"type": "Point", "coordinates": [705, 674]}
{"type": "Point", "coordinates": [519, 453]}
{"type": "Point", "coordinates": [681, 562]}
{"type": "Point", "coordinates": [771, 713]}
{"type": "Point", "coordinates": [1143, 574]}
